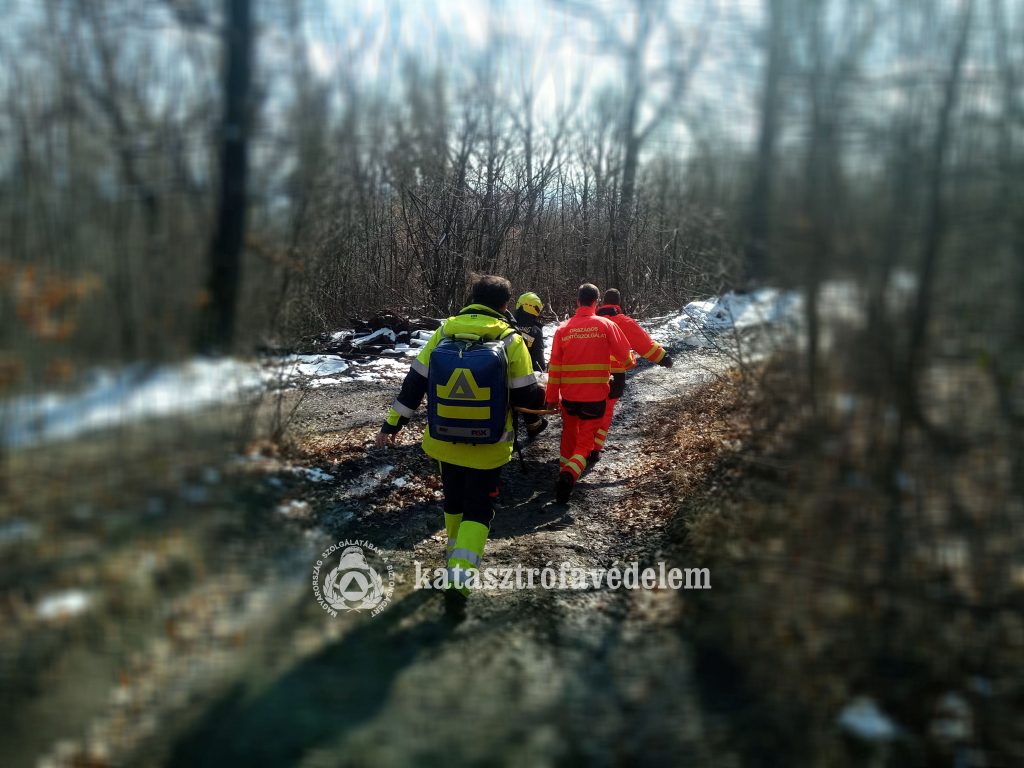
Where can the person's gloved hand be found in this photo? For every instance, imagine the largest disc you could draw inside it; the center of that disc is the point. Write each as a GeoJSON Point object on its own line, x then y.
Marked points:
{"type": "Point", "coordinates": [550, 406]}
{"type": "Point", "coordinates": [666, 361]}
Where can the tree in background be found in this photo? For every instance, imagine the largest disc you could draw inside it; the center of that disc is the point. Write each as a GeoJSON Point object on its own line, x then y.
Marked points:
{"type": "Point", "coordinates": [218, 323]}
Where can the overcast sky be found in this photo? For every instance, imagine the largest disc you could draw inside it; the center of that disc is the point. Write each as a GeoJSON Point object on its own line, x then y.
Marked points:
{"type": "Point", "coordinates": [540, 42]}
{"type": "Point", "coordinates": [536, 44]}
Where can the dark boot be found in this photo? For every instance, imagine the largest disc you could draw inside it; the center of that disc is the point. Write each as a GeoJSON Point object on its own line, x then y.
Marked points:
{"type": "Point", "coordinates": [454, 606]}
{"type": "Point", "coordinates": [563, 488]}
{"type": "Point", "coordinates": [535, 428]}
{"type": "Point", "coordinates": [593, 457]}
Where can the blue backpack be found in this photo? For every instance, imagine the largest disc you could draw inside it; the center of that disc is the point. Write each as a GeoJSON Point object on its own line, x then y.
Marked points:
{"type": "Point", "coordinates": [467, 390]}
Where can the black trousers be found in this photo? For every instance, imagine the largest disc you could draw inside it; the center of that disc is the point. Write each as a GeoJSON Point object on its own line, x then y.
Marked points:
{"type": "Point", "coordinates": [585, 410]}
{"type": "Point", "coordinates": [617, 386]}
{"type": "Point", "coordinates": [470, 492]}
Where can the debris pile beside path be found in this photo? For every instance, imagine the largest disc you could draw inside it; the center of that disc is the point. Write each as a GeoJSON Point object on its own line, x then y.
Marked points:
{"type": "Point", "coordinates": [386, 333]}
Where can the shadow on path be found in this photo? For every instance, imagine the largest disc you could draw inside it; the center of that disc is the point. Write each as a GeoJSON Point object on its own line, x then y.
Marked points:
{"type": "Point", "coordinates": [330, 693]}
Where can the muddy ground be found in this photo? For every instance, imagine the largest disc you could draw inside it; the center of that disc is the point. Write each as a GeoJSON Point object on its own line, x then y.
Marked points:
{"type": "Point", "coordinates": [205, 646]}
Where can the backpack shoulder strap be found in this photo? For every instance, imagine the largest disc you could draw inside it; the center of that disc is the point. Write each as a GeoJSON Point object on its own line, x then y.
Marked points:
{"type": "Point", "coordinates": [509, 335]}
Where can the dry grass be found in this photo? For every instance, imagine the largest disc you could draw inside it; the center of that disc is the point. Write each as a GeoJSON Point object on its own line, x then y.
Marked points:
{"type": "Point", "coordinates": [793, 521]}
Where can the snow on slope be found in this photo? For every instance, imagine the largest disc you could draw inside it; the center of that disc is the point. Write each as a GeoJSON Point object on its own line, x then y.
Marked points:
{"type": "Point", "coordinates": [767, 317]}
{"type": "Point", "coordinates": [113, 398]}
{"type": "Point", "coordinates": [134, 392]}
{"type": "Point", "coordinates": [701, 323]}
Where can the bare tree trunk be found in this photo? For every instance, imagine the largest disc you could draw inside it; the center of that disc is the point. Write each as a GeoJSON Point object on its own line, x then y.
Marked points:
{"type": "Point", "coordinates": [936, 223]}
{"type": "Point", "coordinates": [1005, 366]}
{"type": "Point", "coordinates": [760, 201]}
{"type": "Point", "coordinates": [935, 229]}
{"type": "Point", "coordinates": [218, 329]}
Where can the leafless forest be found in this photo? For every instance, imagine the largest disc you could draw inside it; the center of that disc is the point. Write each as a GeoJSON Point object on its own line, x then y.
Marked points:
{"type": "Point", "coordinates": [191, 176]}
{"type": "Point", "coordinates": [842, 139]}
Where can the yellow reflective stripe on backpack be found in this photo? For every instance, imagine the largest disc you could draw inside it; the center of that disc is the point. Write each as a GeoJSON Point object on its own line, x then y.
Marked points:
{"type": "Point", "coordinates": [463, 411]}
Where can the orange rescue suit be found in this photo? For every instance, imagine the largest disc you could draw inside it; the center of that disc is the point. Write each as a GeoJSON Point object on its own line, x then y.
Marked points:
{"type": "Point", "coordinates": [639, 339]}
{"type": "Point", "coordinates": [585, 349]}
{"type": "Point", "coordinates": [641, 342]}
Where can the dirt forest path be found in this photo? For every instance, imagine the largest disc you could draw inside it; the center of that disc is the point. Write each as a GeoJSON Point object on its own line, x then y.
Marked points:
{"type": "Point", "coordinates": [538, 677]}
{"type": "Point", "coordinates": [230, 660]}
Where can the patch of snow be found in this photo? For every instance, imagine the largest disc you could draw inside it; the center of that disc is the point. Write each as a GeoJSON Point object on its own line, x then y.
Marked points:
{"type": "Point", "coordinates": [18, 530]}
{"type": "Point", "coordinates": [765, 319]}
{"type": "Point", "coordinates": [113, 398]}
{"type": "Point", "coordinates": [376, 477]}
{"type": "Point", "coordinates": [767, 305]}
{"type": "Point", "coordinates": [294, 509]}
{"type": "Point", "coordinates": [314, 474]}
{"type": "Point", "coordinates": [313, 365]}
{"type": "Point", "coordinates": [400, 482]}
{"type": "Point", "coordinates": [952, 553]}
{"type": "Point", "coordinates": [901, 290]}
{"type": "Point", "coordinates": [378, 369]}
{"type": "Point", "coordinates": [548, 331]}
{"type": "Point", "coordinates": [60, 605]}
{"type": "Point", "coordinates": [863, 718]}
{"type": "Point", "coordinates": [955, 720]}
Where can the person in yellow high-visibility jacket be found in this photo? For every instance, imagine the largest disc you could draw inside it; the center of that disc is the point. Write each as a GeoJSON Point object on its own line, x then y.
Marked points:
{"type": "Point", "coordinates": [469, 472]}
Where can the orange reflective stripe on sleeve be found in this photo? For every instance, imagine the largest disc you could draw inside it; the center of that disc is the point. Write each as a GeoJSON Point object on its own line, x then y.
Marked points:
{"type": "Point", "coordinates": [655, 353]}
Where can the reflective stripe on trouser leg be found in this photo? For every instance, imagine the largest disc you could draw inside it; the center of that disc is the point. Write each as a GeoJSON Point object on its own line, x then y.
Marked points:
{"type": "Point", "coordinates": [586, 432]}
{"type": "Point", "coordinates": [606, 422]}
{"type": "Point", "coordinates": [468, 552]}
{"type": "Point", "coordinates": [577, 442]}
{"type": "Point", "coordinates": [576, 465]}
